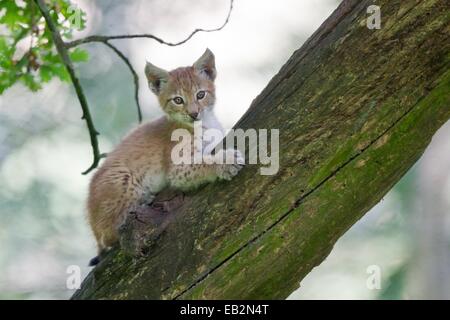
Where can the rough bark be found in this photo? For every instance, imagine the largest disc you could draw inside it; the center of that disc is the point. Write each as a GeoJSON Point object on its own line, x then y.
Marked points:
{"type": "Point", "coordinates": [355, 108]}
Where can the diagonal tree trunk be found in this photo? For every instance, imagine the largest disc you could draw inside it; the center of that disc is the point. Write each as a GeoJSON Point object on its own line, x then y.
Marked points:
{"type": "Point", "coordinates": [355, 108]}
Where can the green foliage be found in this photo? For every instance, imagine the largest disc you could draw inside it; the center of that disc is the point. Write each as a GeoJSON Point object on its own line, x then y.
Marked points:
{"type": "Point", "coordinates": [27, 53]}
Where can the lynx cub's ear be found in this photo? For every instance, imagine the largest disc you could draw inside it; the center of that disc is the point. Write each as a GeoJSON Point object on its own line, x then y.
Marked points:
{"type": "Point", "coordinates": [156, 77]}
{"type": "Point", "coordinates": [206, 65]}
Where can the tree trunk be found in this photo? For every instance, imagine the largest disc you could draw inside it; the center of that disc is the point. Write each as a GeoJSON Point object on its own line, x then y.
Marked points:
{"type": "Point", "coordinates": [355, 108]}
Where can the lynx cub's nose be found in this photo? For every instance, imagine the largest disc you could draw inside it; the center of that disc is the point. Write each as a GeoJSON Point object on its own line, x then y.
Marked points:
{"type": "Point", "coordinates": [193, 115]}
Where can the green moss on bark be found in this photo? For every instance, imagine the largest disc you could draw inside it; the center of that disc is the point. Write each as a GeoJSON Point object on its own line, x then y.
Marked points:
{"type": "Point", "coordinates": [355, 109]}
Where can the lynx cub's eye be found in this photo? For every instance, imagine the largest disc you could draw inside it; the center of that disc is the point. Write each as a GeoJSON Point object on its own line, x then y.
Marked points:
{"type": "Point", "coordinates": [178, 100]}
{"type": "Point", "coordinates": [201, 95]}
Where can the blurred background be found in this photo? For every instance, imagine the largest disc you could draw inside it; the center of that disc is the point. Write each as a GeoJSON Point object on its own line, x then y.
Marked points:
{"type": "Point", "coordinates": [44, 146]}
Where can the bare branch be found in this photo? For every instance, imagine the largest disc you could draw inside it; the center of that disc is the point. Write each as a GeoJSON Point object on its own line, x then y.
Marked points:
{"type": "Point", "coordinates": [62, 48]}
{"type": "Point", "coordinates": [62, 51]}
{"type": "Point", "coordinates": [133, 72]}
{"type": "Point", "coordinates": [104, 39]}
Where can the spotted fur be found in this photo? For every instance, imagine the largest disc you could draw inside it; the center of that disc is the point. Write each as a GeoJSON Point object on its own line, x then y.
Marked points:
{"type": "Point", "coordinates": [141, 166]}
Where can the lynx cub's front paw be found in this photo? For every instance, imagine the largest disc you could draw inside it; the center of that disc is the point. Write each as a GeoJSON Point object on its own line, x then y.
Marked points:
{"type": "Point", "coordinates": [233, 162]}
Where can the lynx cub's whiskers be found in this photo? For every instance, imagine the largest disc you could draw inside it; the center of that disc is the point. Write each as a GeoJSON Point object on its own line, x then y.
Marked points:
{"type": "Point", "coordinates": [141, 165]}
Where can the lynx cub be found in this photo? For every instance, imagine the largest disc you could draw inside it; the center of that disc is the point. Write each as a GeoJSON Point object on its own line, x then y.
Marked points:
{"type": "Point", "coordinates": [141, 166]}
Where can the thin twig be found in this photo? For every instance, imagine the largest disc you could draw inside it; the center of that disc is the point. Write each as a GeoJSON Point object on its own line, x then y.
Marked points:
{"type": "Point", "coordinates": [104, 39]}
{"type": "Point", "coordinates": [133, 72]}
{"type": "Point", "coordinates": [62, 48]}
{"type": "Point", "coordinates": [62, 51]}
